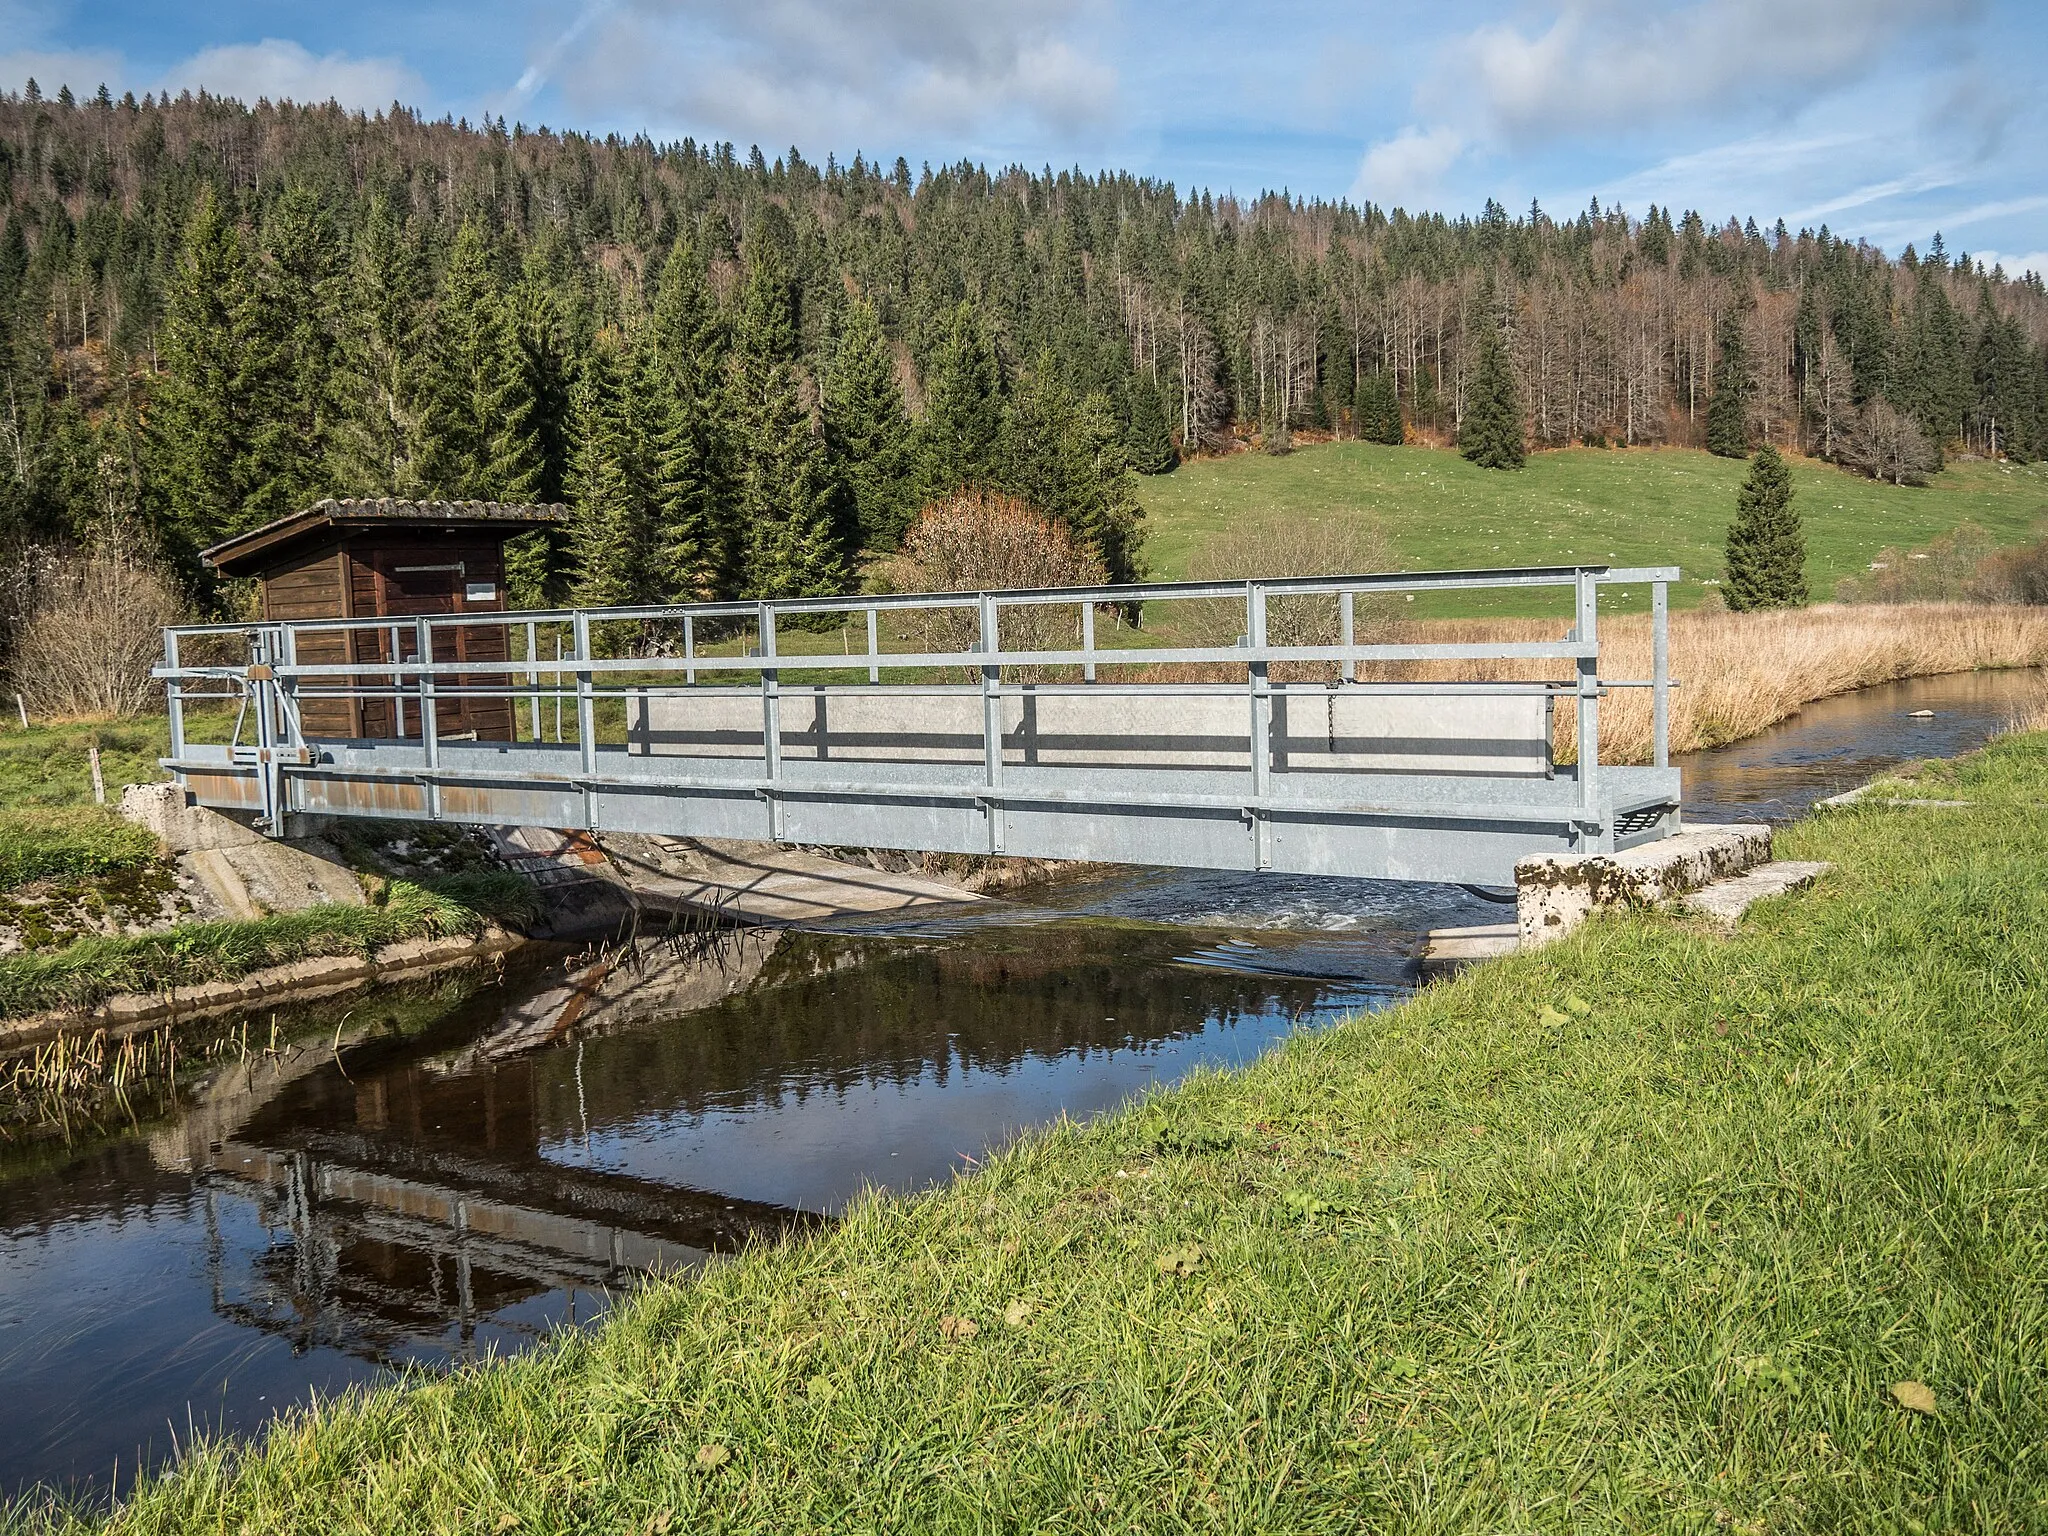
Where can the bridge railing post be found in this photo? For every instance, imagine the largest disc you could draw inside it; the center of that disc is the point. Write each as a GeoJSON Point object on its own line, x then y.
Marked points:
{"type": "Point", "coordinates": [874, 645]}
{"type": "Point", "coordinates": [1592, 826]}
{"type": "Point", "coordinates": [533, 676]}
{"type": "Point", "coordinates": [586, 705]}
{"type": "Point", "coordinates": [992, 717]}
{"type": "Point", "coordinates": [771, 719]}
{"type": "Point", "coordinates": [262, 695]}
{"type": "Point", "coordinates": [1660, 673]}
{"type": "Point", "coordinates": [689, 649]}
{"type": "Point", "coordinates": [1260, 686]}
{"type": "Point", "coordinates": [174, 695]}
{"type": "Point", "coordinates": [1347, 617]}
{"type": "Point", "coordinates": [430, 717]}
{"type": "Point", "coordinates": [1088, 641]}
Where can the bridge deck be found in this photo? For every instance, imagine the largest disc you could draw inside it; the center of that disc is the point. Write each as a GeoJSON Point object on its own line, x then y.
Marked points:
{"type": "Point", "coordinates": [1041, 757]}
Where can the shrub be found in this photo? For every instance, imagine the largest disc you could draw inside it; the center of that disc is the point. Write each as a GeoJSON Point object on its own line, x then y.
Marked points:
{"type": "Point", "coordinates": [1947, 570]}
{"type": "Point", "coordinates": [1304, 547]}
{"type": "Point", "coordinates": [89, 632]}
{"type": "Point", "coordinates": [979, 542]}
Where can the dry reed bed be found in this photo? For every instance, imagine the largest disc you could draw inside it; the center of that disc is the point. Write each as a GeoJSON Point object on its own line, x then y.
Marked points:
{"type": "Point", "coordinates": [1741, 672]}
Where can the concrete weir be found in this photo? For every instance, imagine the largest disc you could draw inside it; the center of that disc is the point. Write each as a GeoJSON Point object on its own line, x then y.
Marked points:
{"type": "Point", "coordinates": [1716, 873]}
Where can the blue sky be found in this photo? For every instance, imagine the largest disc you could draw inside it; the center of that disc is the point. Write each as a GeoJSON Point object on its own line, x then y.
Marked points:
{"type": "Point", "coordinates": [1887, 119]}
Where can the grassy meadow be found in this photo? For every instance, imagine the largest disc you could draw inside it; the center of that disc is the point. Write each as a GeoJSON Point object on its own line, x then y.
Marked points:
{"type": "Point", "coordinates": [1668, 506]}
{"type": "Point", "coordinates": [1645, 1231]}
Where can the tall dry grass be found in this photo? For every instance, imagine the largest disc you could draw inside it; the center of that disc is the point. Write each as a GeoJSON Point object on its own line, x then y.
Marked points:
{"type": "Point", "coordinates": [1741, 672]}
{"type": "Point", "coordinates": [1744, 672]}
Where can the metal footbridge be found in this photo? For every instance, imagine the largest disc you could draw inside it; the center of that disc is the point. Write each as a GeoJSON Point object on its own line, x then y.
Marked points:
{"type": "Point", "coordinates": [1030, 723]}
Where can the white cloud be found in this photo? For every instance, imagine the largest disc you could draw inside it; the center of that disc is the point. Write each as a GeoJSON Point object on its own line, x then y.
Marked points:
{"type": "Point", "coordinates": [845, 72]}
{"type": "Point", "coordinates": [274, 68]}
{"type": "Point", "coordinates": [2015, 266]}
{"type": "Point", "coordinates": [1604, 64]}
{"type": "Point", "coordinates": [82, 69]}
{"type": "Point", "coordinates": [286, 71]}
{"type": "Point", "coordinates": [1407, 170]}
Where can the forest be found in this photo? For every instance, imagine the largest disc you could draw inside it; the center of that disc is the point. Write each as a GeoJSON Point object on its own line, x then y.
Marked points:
{"type": "Point", "coordinates": [744, 374]}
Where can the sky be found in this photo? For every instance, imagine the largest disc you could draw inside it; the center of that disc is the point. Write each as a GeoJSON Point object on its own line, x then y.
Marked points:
{"type": "Point", "coordinates": [1888, 120]}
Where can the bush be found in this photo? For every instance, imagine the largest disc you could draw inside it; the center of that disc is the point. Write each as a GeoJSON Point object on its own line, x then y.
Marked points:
{"type": "Point", "coordinates": [90, 632]}
{"type": "Point", "coordinates": [1304, 547]}
{"type": "Point", "coordinates": [2015, 575]}
{"type": "Point", "coordinates": [1947, 570]}
{"type": "Point", "coordinates": [978, 542]}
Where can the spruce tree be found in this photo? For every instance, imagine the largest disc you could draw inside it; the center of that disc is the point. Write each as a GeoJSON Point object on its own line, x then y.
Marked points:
{"type": "Point", "coordinates": [390, 436]}
{"type": "Point", "coordinates": [694, 493]}
{"type": "Point", "coordinates": [960, 438]}
{"type": "Point", "coordinates": [867, 431]}
{"type": "Point", "coordinates": [492, 440]}
{"type": "Point", "coordinates": [789, 504]}
{"type": "Point", "coordinates": [1148, 442]}
{"type": "Point", "coordinates": [607, 529]}
{"type": "Point", "coordinates": [537, 564]}
{"type": "Point", "coordinates": [1491, 433]}
{"type": "Point", "coordinates": [1766, 545]}
{"type": "Point", "coordinates": [1728, 406]}
{"type": "Point", "coordinates": [1379, 410]}
{"type": "Point", "coordinates": [199, 423]}
{"type": "Point", "coordinates": [290, 348]}
{"type": "Point", "coordinates": [1108, 521]}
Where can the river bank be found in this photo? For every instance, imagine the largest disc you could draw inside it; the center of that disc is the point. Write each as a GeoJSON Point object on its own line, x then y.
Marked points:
{"type": "Point", "coordinates": [1700, 1205]}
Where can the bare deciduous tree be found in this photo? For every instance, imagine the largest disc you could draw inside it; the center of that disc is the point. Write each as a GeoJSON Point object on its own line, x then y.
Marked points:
{"type": "Point", "coordinates": [90, 631]}
{"type": "Point", "coordinates": [1889, 445]}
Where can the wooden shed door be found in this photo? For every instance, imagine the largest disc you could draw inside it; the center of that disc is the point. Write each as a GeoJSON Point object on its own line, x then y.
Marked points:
{"type": "Point", "coordinates": [410, 584]}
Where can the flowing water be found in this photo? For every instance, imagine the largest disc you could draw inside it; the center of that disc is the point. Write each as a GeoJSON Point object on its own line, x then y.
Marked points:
{"type": "Point", "coordinates": [433, 1174]}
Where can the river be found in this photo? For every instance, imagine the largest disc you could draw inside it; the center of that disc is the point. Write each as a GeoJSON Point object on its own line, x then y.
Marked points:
{"type": "Point", "coordinates": [408, 1187]}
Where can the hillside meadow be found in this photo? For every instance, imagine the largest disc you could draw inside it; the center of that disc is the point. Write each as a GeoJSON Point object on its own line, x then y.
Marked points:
{"type": "Point", "coordinates": [1573, 506]}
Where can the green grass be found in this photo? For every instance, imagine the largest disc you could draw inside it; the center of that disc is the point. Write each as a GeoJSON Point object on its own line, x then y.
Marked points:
{"type": "Point", "coordinates": [87, 972]}
{"type": "Point", "coordinates": [69, 843]}
{"type": "Point", "coordinates": [1635, 1233]}
{"type": "Point", "coordinates": [1576, 506]}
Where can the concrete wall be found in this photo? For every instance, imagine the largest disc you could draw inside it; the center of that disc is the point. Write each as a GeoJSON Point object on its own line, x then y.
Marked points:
{"type": "Point", "coordinates": [1340, 730]}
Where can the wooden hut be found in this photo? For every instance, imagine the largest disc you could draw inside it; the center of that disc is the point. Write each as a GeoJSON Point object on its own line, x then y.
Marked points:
{"type": "Point", "coordinates": [389, 559]}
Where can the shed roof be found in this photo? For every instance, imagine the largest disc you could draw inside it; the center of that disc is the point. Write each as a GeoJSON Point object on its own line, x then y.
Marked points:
{"type": "Point", "coordinates": [247, 553]}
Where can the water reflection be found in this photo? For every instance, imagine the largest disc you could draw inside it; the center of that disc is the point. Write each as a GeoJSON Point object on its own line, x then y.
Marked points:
{"type": "Point", "coordinates": [418, 1187]}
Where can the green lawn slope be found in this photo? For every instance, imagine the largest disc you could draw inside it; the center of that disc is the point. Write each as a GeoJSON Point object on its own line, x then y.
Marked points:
{"type": "Point", "coordinates": [1640, 507]}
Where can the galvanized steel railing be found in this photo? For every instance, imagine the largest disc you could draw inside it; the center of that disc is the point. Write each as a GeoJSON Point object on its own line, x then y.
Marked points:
{"type": "Point", "coordinates": [272, 684]}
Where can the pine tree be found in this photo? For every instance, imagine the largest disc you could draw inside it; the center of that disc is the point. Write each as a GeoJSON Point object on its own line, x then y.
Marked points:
{"type": "Point", "coordinates": [694, 493]}
{"type": "Point", "coordinates": [389, 439]}
{"type": "Point", "coordinates": [199, 424]}
{"type": "Point", "coordinates": [1148, 442]}
{"type": "Point", "coordinates": [867, 431]}
{"type": "Point", "coordinates": [1490, 435]}
{"type": "Point", "coordinates": [537, 564]}
{"type": "Point", "coordinates": [608, 535]}
{"type": "Point", "coordinates": [1108, 522]}
{"type": "Point", "coordinates": [789, 504]}
{"type": "Point", "coordinates": [960, 438]}
{"type": "Point", "coordinates": [289, 350]}
{"type": "Point", "coordinates": [485, 396]}
{"type": "Point", "coordinates": [1728, 406]}
{"type": "Point", "coordinates": [1766, 545]}
{"type": "Point", "coordinates": [1379, 410]}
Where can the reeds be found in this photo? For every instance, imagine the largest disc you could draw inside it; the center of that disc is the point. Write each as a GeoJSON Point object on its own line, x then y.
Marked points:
{"type": "Point", "coordinates": [1742, 673]}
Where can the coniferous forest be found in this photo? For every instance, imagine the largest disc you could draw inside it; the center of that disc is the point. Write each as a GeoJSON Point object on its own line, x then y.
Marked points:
{"type": "Point", "coordinates": [743, 372]}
